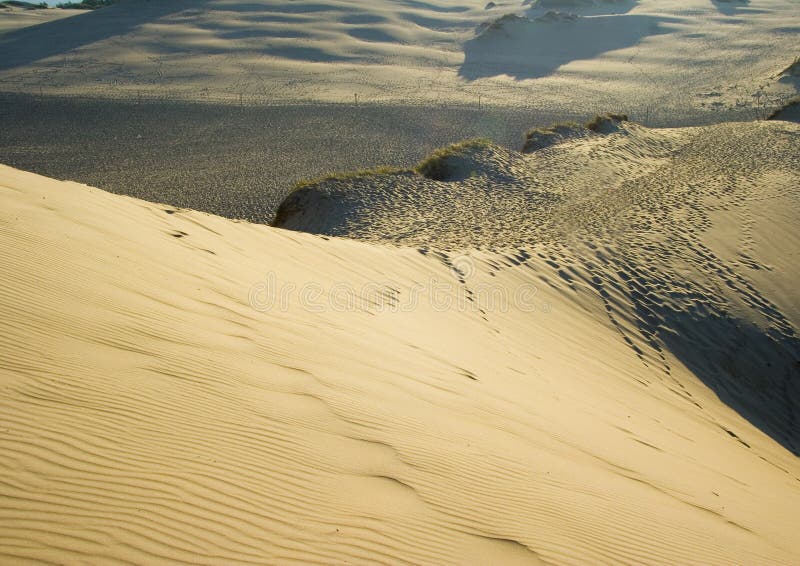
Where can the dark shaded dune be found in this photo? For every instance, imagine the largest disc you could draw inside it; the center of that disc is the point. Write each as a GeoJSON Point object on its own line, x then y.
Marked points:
{"type": "Point", "coordinates": [789, 112]}
{"type": "Point", "coordinates": [362, 19]}
{"type": "Point", "coordinates": [730, 7]}
{"type": "Point", "coordinates": [754, 371]}
{"type": "Point", "coordinates": [583, 7]}
{"type": "Point", "coordinates": [432, 7]}
{"type": "Point", "coordinates": [372, 35]}
{"type": "Point", "coordinates": [526, 49]}
{"type": "Point", "coordinates": [24, 46]}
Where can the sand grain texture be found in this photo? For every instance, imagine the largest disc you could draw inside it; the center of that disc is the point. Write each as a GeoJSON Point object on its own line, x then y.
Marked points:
{"type": "Point", "coordinates": [155, 407]}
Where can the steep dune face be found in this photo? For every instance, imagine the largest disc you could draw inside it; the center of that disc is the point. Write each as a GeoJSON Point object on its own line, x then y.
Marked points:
{"type": "Point", "coordinates": [657, 223]}
{"type": "Point", "coordinates": [177, 386]}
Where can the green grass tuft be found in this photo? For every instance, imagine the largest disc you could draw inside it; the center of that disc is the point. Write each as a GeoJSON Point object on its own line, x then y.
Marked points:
{"type": "Point", "coordinates": [435, 165]}
{"type": "Point", "coordinates": [595, 123]}
{"type": "Point", "coordinates": [551, 129]}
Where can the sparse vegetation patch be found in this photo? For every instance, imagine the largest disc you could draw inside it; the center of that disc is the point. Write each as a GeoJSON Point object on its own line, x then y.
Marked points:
{"type": "Point", "coordinates": [436, 166]}
{"type": "Point", "coordinates": [596, 123]}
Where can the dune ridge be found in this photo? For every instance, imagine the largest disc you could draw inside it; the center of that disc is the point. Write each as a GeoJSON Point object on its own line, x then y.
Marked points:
{"type": "Point", "coordinates": [423, 387]}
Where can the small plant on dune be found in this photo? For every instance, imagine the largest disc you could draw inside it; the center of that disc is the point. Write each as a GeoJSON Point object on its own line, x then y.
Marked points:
{"type": "Point", "coordinates": [290, 205]}
{"type": "Point", "coordinates": [551, 129]}
{"type": "Point", "coordinates": [536, 138]}
{"type": "Point", "coordinates": [595, 123]}
{"type": "Point", "coordinates": [435, 166]}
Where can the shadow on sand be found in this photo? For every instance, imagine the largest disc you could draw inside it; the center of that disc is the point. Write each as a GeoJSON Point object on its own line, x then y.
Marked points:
{"type": "Point", "coordinates": [730, 7]}
{"type": "Point", "coordinates": [754, 371]}
{"type": "Point", "coordinates": [526, 48]}
{"type": "Point", "coordinates": [27, 45]}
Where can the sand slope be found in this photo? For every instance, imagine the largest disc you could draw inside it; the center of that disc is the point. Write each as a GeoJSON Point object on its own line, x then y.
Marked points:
{"type": "Point", "coordinates": [175, 386]}
{"type": "Point", "coordinates": [651, 57]}
{"type": "Point", "coordinates": [15, 18]}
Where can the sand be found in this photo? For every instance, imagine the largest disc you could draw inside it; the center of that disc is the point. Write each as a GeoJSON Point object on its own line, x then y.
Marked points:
{"type": "Point", "coordinates": [583, 353]}
{"type": "Point", "coordinates": [600, 388]}
{"type": "Point", "coordinates": [647, 57]}
{"type": "Point", "coordinates": [16, 18]}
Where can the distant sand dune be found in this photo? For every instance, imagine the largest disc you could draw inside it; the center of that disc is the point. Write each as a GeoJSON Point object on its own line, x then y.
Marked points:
{"type": "Point", "coordinates": [663, 55]}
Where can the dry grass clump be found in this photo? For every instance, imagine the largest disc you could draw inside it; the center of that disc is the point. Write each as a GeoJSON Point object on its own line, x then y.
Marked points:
{"type": "Point", "coordinates": [291, 204]}
{"type": "Point", "coordinates": [537, 138]}
{"type": "Point", "coordinates": [598, 121]}
{"type": "Point", "coordinates": [85, 4]}
{"type": "Point", "coordinates": [436, 166]}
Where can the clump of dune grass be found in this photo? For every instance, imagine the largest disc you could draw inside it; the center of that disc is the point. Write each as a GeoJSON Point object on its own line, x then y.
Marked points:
{"type": "Point", "coordinates": [291, 203]}
{"type": "Point", "coordinates": [597, 122]}
{"type": "Point", "coordinates": [541, 137]}
{"type": "Point", "coordinates": [537, 138]}
{"type": "Point", "coordinates": [436, 166]}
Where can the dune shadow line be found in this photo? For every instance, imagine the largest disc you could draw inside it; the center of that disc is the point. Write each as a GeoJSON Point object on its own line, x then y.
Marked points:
{"type": "Point", "coordinates": [24, 46]}
{"type": "Point", "coordinates": [526, 49]}
{"type": "Point", "coordinates": [755, 372]}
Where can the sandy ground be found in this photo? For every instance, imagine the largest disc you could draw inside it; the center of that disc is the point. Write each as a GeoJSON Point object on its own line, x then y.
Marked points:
{"type": "Point", "coordinates": [648, 56]}
{"type": "Point", "coordinates": [236, 162]}
{"type": "Point", "coordinates": [597, 364]}
{"type": "Point", "coordinates": [582, 354]}
{"type": "Point", "coordinates": [13, 18]}
{"type": "Point", "coordinates": [239, 162]}
{"type": "Point", "coordinates": [289, 91]}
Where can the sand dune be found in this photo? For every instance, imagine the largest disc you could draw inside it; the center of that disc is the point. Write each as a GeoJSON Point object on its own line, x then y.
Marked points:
{"type": "Point", "coordinates": [15, 18]}
{"type": "Point", "coordinates": [667, 56]}
{"type": "Point", "coordinates": [540, 362]}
